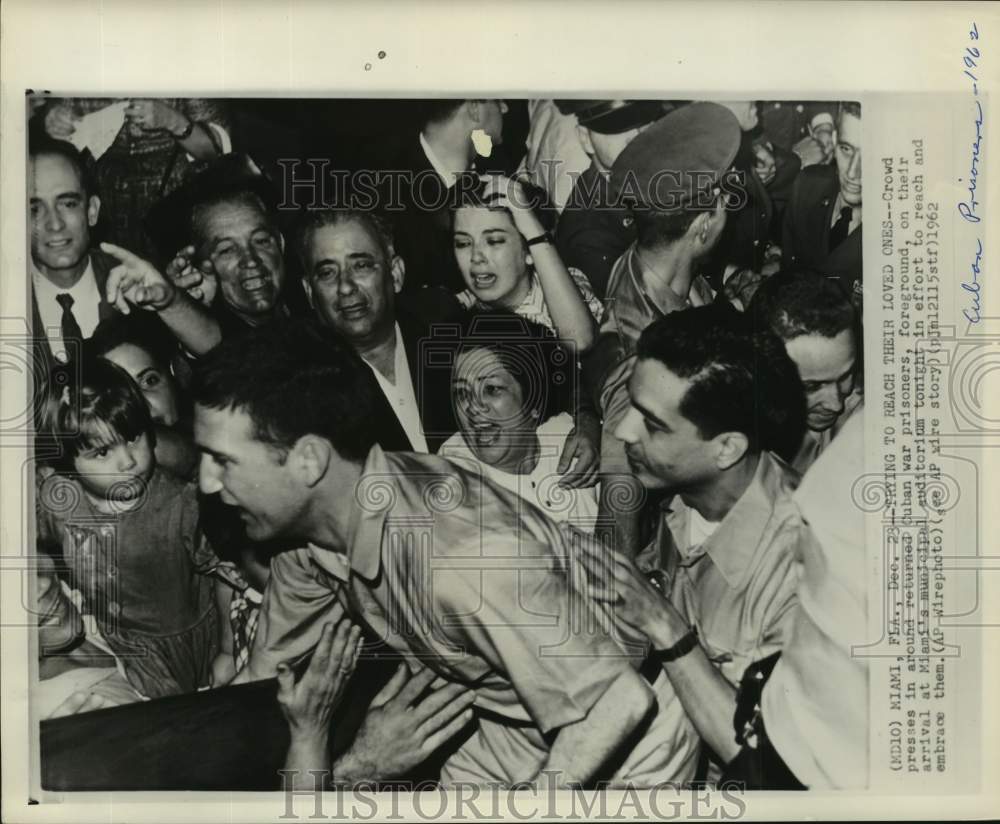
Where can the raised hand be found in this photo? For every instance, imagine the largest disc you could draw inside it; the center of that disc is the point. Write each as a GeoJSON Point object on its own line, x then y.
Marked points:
{"type": "Point", "coordinates": [308, 703]}
{"type": "Point", "coordinates": [584, 446]}
{"type": "Point", "coordinates": [509, 193]}
{"type": "Point", "coordinates": [136, 281]}
{"type": "Point", "coordinates": [200, 282]}
{"type": "Point", "coordinates": [60, 122]}
{"type": "Point", "coordinates": [613, 578]}
{"type": "Point", "coordinates": [155, 114]}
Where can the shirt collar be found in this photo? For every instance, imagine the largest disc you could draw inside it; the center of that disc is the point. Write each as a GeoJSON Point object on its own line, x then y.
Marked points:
{"type": "Point", "coordinates": [398, 357]}
{"type": "Point", "coordinates": [86, 285]}
{"type": "Point", "coordinates": [449, 177]}
{"type": "Point", "coordinates": [737, 539]}
{"type": "Point", "coordinates": [674, 303]}
{"type": "Point", "coordinates": [374, 497]}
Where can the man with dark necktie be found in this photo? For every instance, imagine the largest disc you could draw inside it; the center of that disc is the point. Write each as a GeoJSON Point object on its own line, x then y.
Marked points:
{"type": "Point", "coordinates": [822, 228]}
{"type": "Point", "coordinates": [74, 287]}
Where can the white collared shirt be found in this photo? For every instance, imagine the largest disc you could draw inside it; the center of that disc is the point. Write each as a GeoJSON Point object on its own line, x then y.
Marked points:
{"type": "Point", "coordinates": [402, 398]}
{"type": "Point", "coordinates": [445, 174]}
{"type": "Point", "coordinates": [86, 307]}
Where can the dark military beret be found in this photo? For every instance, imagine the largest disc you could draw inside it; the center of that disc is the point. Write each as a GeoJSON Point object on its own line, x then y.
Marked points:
{"type": "Point", "coordinates": [613, 116]}
{"type": "Point", "coordinates": [678, 158]}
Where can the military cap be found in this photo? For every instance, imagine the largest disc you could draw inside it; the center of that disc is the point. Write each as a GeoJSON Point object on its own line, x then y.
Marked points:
{"type": "Point", "coordinates": [678, 159]}
{"type": "Point", "coordinates": [613, 116]}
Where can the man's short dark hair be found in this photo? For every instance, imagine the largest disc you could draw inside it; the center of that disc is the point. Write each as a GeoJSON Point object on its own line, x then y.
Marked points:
{"type": "Point", "coordinates": [292, 378]}
{"type": "Point", "coordinates": [318, 218]}
{"type": "Point", "coordinates": [438, 111]}
{"type": "Point", "coordinates": [741, 380]}
{"type": "Point", "coordinates": [851, 107]}
{"type": "Point", "coordinates": [792, 304]}
{"type": "Point", "coordinates": [66, 150]}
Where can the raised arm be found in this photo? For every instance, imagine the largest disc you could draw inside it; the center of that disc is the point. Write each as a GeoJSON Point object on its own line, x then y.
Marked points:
{"type": "Point", "coordinates": [137, 282]}
{"type": "Point", "coordinates": [567, 307]}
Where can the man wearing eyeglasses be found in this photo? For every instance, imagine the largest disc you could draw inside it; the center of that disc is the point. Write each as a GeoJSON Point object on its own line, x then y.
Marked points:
{"type": "Point", "coordinates": [352, 275]}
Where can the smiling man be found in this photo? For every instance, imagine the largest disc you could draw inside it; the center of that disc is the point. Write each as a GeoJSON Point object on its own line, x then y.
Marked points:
{"type": "Point", "coordinates": [822, 228]}
{"type": "Point", "coordinates": [818, 325]}
{"type": "Point", "coordinates": [67, 277]}
{"type": "Point", "coordinates": [236, 237]}
{"type": "Point", "coordinates": [446, 568]}
{"type": "Point", "coordinates": [74, 286]}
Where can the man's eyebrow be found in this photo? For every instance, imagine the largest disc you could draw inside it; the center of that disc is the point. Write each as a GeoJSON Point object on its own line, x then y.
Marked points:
{"type": "Point", "coordinates": [647, 414]}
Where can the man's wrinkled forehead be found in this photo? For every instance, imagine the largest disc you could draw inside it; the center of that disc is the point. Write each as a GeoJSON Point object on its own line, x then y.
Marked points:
{"type": "Point", "coordinates": [240, 215]}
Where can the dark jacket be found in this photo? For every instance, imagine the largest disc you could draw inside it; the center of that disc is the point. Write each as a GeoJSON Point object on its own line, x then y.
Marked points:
{"type": "Point", "coordinates": [806, 236]}
{"type": "Point", "coordinates": [590, 235]}
{"type": "Point", "coordinates": [43, 358]}
{"type": "Point", "coordinates": [420, 206]}
{"type": "Point", "coordinates": [429, 355]}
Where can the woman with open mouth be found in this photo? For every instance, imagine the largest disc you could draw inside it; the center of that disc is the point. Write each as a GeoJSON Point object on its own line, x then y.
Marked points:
{"type": "Point", "coordinates": [511, 387]}
{"type": "Point", "coordinates": [509, 263]}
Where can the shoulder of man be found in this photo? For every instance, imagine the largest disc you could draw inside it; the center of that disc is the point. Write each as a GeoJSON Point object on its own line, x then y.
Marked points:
{"type": "Point", "coordinates": [816, 181]}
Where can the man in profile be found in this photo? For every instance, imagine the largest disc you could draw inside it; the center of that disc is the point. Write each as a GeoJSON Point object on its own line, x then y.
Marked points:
{"type": "Point", "coordinates": [282, 418]}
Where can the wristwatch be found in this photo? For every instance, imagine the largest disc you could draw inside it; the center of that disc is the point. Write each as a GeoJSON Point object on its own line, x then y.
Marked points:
{"type": "Point", "coordinates": [544, 237]}
{"type": "Point", "coordinates": [678, 650]}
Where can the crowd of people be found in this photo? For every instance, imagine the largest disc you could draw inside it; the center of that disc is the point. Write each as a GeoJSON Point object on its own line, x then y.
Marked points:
{"type": "Point", "coordinates": [571, 440]}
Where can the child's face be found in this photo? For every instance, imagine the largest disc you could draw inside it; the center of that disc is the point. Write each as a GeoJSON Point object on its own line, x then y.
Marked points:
{"type": "Point", "coordinates": [117, 471]}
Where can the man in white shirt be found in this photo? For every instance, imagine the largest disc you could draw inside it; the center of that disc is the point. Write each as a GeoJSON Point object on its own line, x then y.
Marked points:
{"type": "Point", "coordinates": [75, 287]}
{"type": "Point", "coordinates": [67, 280]}
{"type": "Point", "coordinates": [351, 277]}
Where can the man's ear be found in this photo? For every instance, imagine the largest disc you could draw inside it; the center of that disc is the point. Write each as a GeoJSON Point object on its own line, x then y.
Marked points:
{"type": "Point", "coordinates": [707, 226]}
{"type": "Point", "coordinates": [93, 210]}
{"type": "Point", "coordinates": [281, 242]}
{"type": "Point", "coordinates": [398, 271]}
{"type": "Point", "coordinates": [583, 135]}
{"type": "Point", "coordinates": [310, 459]}
{"type": "Point", "coordinates": [731, 447]}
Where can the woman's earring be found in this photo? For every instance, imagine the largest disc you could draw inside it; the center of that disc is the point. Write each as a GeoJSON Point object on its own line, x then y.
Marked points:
{"type": "Point", "coordinates": [529, 260]}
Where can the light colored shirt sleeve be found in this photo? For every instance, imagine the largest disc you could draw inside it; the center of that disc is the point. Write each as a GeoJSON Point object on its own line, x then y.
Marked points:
{"type": "Point", "coordinates": [300, 598]}
{"type": "Point", "coordinates": [526, 624]}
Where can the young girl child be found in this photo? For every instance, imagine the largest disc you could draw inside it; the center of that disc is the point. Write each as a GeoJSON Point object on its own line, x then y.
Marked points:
{"type": "Point", "coordinates": [127, 532]}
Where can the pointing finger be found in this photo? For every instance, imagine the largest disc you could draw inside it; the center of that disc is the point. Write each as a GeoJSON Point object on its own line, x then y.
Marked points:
{"type": "Point", "coordinates": [124, 255]}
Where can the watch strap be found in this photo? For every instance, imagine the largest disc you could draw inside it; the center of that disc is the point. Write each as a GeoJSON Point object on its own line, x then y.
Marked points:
{"type": "Point", "coordinates": [544, 237]}
{"type": "Point", "coordinates": [678, 650]}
